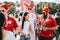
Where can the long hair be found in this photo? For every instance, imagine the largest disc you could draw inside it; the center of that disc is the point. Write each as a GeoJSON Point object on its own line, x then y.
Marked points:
{"type": "Point", "coordinates": [25, 14]}
{"type": "Point", "coordinates": [2, 18]}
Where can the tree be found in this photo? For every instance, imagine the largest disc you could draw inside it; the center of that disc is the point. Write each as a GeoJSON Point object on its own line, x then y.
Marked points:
{"type": "Point", "coordinates": [53, 7]}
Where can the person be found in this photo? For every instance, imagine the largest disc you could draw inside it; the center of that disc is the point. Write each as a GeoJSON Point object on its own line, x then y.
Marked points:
{"type": "Point", "coordinates": [57, 32]}
{"type": "Point", "coordinates": [9, 24]}
{"type": "Point", "coordinates": [25, 28]}
{"type": "Point", "coordinates": [47, 25]}
{"type": "Point", "coordinates": [18, 10]}
{"type": "Point", "coordinates": [2, 18]}
{"type": "Point", "coordinates": [5, 35]}
{"type": "Point", "coordinates": [32, 19]}
{"type": "Point", "coordinates": [16, 18]}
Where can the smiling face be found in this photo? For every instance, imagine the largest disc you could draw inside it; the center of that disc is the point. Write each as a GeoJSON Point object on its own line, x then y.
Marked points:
{"type": "Point", "coordinates": [27, 17]}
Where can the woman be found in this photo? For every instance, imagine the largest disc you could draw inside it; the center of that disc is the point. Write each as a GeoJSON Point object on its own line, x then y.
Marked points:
{"type": "Point", "coordinates": [25, 28]}
{"type": "Point", "coordinates": [2, 18]}
{"type": "Point", "coordinates": [5, 35]}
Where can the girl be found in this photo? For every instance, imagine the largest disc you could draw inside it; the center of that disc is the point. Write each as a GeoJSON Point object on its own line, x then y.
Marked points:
{"type": "Point", "coordinates": [25, 28]}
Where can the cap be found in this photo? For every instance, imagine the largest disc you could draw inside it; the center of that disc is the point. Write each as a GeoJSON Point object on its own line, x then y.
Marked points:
{"type": "Point", "coordinates": [6, 6]}
{"type": "Point", "coordinates": [58, 13]}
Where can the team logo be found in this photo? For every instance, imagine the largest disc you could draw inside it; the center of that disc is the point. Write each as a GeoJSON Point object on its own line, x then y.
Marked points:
{"type": "Point", "coordinates": [9, 22]}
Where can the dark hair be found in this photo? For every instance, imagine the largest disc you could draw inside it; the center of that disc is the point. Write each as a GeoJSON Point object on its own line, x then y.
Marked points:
{"type": "Point", "coordinates": [21, 14]}
{"type": "Point", "coordinates": [16, 16]}
{"type": "Point", "coordinates": [58, 13]}
{"type": "Point", "coordinates": [2, 18]}
{"type": "Point", "coordinates": [25, 14]}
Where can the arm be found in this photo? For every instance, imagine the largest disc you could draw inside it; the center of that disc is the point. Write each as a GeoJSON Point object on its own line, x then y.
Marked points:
{"type": "Point", "coordinates": [21, 30]}
{"type": "Point", "coordinates": [54, 25]}
{"type": "Point", "coordinates": [30, 29]}
{"type": "Point", "coordinates": [15, 25]}
{"type": "Point", "coordinates": [53, 28]}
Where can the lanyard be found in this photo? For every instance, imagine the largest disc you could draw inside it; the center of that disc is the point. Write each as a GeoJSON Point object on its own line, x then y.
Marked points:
{"type": "Point", "coordinates": [44, 20]}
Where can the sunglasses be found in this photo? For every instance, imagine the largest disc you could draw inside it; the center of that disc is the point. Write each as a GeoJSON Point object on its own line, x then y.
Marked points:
{"type": "Point", "coordinates": [2, 10]}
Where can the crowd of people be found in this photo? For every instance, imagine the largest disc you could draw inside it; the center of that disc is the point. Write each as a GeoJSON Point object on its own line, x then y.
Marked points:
{"type": "Point", "coordinates": [28, 25]}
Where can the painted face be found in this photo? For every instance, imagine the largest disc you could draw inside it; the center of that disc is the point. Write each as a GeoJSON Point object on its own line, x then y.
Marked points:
{"type": "Point", "coordinates": [4, 11]}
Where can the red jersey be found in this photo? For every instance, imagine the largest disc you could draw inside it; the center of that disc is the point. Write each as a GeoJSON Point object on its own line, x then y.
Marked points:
{"type": "Point", "coordinates": [10, 24]}
{"type": "Point", "coordinates": [49, 22]}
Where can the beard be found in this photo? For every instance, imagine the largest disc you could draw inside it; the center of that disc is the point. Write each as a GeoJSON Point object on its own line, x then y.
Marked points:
{"type": "Point", "coordinates": [44, 16]}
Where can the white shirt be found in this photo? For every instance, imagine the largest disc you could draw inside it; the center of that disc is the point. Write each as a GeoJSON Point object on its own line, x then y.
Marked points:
{"type": "Point", "coordinates": [26, 27]}
{"type": "Point", "coordinates": [9, 36]}
{"type": "Point", "coordinates": [32, 18]}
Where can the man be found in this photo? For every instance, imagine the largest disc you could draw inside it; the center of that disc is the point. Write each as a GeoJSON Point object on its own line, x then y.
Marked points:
{"type": "Point", "coordinates": [32, 19]}
{"type": "Point", "coordinates": [57, 32]}
{"type": "Point", "coordinates": [18, 10]}
{"type": "Point", "coordinates": [9, 24]}
{"type": "Point", "coordinates": [47, 25]}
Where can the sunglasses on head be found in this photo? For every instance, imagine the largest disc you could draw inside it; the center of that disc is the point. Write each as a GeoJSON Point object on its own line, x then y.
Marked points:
{"type": "Point", "coordinates": [2, 10]}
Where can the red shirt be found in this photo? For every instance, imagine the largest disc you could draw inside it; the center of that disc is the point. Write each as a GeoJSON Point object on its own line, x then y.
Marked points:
{"type": "Point", "coordinates": [49, 22]}
{"type": "Point", "coordinates": [10, 24]}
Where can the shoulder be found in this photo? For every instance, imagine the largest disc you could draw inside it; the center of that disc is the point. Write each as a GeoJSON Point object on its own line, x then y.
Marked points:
{"type": "Point", "coordinates": [52, 19]}
{"type": "Point", "coordinates": [10, 18]}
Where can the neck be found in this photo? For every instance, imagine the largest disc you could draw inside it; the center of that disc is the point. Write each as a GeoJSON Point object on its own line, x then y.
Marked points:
{"type": "Point", "coordinates": [26, 20]}
{"type": "Point", "coordinates": [30, 11]}
{"type": "Point", "coordinates": [45, 16]}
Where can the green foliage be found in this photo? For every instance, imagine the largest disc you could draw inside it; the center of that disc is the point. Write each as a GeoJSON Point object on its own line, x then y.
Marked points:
{"type": "Point", "coordinates": [5, 2]}
{"type": "Point", "coordinates": [12, 10]}
{"type": "Point", "coordinates": [53, 7]}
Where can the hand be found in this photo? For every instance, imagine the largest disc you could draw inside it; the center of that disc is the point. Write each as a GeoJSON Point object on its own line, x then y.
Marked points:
{"type": "Point", "coordinates": [45, 29]}
{"type": "Point", "coordinates": [32, 32]}
{"type": "Point", "coordinates": [26, 36]}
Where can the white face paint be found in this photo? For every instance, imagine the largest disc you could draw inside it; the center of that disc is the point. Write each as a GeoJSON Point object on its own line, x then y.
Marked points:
{"type": "Point", "coordinates": [5, 12]}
